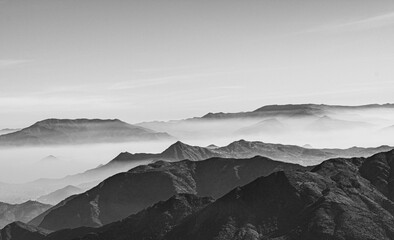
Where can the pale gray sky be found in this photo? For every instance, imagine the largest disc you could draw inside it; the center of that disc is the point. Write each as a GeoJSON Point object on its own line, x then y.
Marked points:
{"type": "Point", "coordinates": [169, 59]}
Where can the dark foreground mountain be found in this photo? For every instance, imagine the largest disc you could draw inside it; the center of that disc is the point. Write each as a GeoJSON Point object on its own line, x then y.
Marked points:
{"type": "Point", "coordinates": [151, 223]}
{"type": "Point", "coordinates": [79, 131]}
{"type": "Point", "coordinates": [338, 199]}
{"type": "Point", "coordinates": [129, 192]}
{"type": "Point", "coordinates": [22, 231]}
{"type": "Point", "coordinates": [23, 212]}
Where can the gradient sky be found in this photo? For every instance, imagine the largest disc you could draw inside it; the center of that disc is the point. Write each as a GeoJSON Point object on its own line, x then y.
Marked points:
{"type": "Point", "coordinates": [170, 59]}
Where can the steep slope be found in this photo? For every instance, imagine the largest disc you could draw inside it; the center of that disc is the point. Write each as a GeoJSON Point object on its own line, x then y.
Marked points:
{"type": "Point", "coordinates": [129, 192]}
{"type": "Point", "coordinates": [20, 212]}
{"type": "Point", "coordinates": [332, 201]}
{"type": "Point", "coordinates": [78, 131]}
{"type": "Point", "coordinates": [338, 199]}
{"type": "Point", "coordinates": [59, 195]}
{"type": "Point", "coordinates": [21, 231]}
{"type": "Point", "coordinates": [152, 223]}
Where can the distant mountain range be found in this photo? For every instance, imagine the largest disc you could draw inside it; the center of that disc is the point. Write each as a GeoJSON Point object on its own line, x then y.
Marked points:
{"type": "Point", "coordinates": [23, 212]}
{"type": "Point", "coordinates": [247, 149]}
{"type": "Point", "coordinates": [59, 195]}
{"type": "Point", "coordinates": [272, 121]}
{"type": "Point", "coordinates": [337, 199]}
{"type": "Point", "coordinates": [264, 122]}
{"type": "Point", "coordinates": [8, 130]}
{"type": "Point", "coordinates": [177, 152]}
{"type": "Point", "coordinates": [294, 110]}
{"type": "Point", "coordinates": [79, 131]}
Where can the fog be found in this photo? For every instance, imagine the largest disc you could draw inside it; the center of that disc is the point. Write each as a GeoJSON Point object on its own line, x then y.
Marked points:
{"type": "Point", "coordinates": [23, 164]}
{"type": "Point", "coordinates": [331, 129]}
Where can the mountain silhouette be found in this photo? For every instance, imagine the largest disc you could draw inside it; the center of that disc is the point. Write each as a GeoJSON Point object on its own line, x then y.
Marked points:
{"type": "Point", "coordinates": [79, 131]}
{"type": "Point", "coordinates": [341, 198]}
{"type": "Point", "coordinates": [127, 193]}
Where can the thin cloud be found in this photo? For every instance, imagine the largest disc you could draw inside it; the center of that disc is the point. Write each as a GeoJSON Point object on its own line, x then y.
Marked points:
{"type": "Point", "coordinates": [380, 21]}
{"type": "Point", "coordinates": [132, 84]}
{"type": "Point", "coordinates": [11, 62]}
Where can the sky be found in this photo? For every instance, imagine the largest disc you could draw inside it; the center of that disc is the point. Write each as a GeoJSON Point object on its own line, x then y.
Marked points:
{"type": "Point", "coordinates": [142, 60]}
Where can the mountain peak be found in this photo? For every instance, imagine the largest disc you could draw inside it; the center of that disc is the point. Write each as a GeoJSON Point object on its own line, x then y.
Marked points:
{"type": "Point", "coordinates": [287, 107]}
{"type": "Point", "coordinates": [54, 121]}
{"type": "Point", "coordinates": [123, 156]}
{"type": "Point", "coordinates": [177, 145]}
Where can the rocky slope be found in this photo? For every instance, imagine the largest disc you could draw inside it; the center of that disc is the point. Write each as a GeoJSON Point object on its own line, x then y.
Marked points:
{"type": "Point", "coordinates": [152, 223]}
{"type": "Point", "coordinates": [129, 192]}
{"type": "Point", "coordinates": [339, 199]}
{"type": "Point", "coordinates": [22, 231]}
{"type": "Point", "coordinates": [23, 212]}
{"type": "Point", "coordinates": [78, 131]}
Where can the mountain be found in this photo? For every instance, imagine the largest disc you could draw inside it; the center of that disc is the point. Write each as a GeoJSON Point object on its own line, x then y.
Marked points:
{"type": "Point", "coordinates": [129, 192]}
{"type": "Point", "coordinates": [22, 231]}
{"type": "Point", "coordinates": [49, 159]}
{"type": "Point", "coordinates": [337, 199]}
{"type": "Point", "coordinates": [59, 195]}
{"type": "Point", "coordinates": [8, 130]}
{"type": "Point", "coordinates": [283, 123]}
{"type": "Point", "coordinates": [177, 152]}
{"type": "Point", "coordinates": [23, 212]}
{"type": "Point", "coordinates": [333, 201]}
{"type": "Point", "coordinates": [326, 123]}
{"type": "Point", "coordinates": [267, 126]}
{"type": "Point", "coordinates": [151, 223]}
{"type": "Point", "coordinates": [247, 149]}
{"type": "Point", "coordinates": [78, 131]}
{"type": "Point", "coordinates": [294, 110]}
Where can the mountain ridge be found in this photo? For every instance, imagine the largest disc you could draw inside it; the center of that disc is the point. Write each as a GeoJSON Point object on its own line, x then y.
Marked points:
{"type": "Point", "coordinates": [79, 131]}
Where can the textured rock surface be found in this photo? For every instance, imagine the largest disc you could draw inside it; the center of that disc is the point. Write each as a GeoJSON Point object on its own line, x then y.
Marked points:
{"type": "Point", "coordinates": [127, 193]}
{"type": "Point", "coordinates": [333, 201]}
